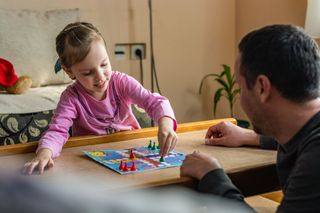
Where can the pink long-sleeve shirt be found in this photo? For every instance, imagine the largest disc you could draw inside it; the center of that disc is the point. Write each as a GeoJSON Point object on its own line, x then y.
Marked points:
{"type": "Point", "coordinates": [89, 116]}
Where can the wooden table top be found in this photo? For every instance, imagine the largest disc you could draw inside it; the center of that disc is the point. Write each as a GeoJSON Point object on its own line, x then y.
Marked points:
{"type": "Point", "coordinates": [74, 163]}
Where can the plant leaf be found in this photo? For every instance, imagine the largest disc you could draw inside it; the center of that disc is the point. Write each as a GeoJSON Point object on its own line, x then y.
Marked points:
{"type": "Point", "coordinates": [233, 82]}
{"type": "Point", "coordinates": [227, 88]}
{"type": "Point", "coordinates": [223, 83]}
{"type": "Point", "coordinates": [216, 99]}
{"type": "Point", "coordinates": [234, 95]}
{"type": "Point", "coordinates": [236, 91]}
{"type": "Point", "coordinates": [204, 78]}
{"type": "Point", "coordinates": [227, 71]}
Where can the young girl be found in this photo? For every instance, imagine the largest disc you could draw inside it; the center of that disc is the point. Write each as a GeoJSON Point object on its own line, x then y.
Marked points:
{"type": "Point", "coordinates": [99, 101]}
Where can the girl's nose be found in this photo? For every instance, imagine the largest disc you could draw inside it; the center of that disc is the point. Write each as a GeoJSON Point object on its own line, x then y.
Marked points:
{"type": "Point", "coordinates": [99, 74]}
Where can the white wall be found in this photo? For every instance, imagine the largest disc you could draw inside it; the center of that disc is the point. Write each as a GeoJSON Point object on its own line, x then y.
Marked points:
{"type": "Point", "coordinates": [191, 38]}
{"type": "Point", "coordinates": [253, 14]}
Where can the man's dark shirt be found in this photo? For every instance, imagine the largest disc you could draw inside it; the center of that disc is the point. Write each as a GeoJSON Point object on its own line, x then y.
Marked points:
{"type": "Point", "coordinates": [298, 166]}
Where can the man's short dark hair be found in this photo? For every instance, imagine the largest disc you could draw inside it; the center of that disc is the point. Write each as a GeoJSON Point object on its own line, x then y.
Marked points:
{"type": "Point", "coordinates": [287, 56]}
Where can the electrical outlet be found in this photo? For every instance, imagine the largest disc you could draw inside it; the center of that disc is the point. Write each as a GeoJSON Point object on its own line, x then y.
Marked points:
{"type": "Point", "coordinates": [120, 51]}
{"type": "Point", "coordinates": [134, 51]}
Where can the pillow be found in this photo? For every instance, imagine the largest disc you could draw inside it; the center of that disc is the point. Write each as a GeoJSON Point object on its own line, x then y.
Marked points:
{"type": "Point", "coordinates": [28, 42]}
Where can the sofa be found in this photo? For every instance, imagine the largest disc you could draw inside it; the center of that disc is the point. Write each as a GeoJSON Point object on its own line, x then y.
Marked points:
{"type": "Point", "coordinates": [28, 42]}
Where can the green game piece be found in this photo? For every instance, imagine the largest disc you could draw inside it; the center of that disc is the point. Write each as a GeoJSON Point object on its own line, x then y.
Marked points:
{"type": "Point", "coordinates": [161, 159]}
{"type": "Point", "coordinates": [154, 146]}
{"type": "Point", "coordinates": [150, 145]}
{"type": "Point", "coordinates": [158, 147]}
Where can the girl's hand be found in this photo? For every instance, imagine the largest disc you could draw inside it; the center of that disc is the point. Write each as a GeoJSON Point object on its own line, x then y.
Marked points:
{"type": "Point", "coordinates": [43, 159]}
{"type": "Point", "coordinates": [167, 137]}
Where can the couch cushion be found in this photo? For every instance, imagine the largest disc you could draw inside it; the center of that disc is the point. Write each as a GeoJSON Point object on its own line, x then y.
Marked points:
{"type": "Point", "coordinates": [28, 42]}
{"type": "Point", "coordinates": [35, 100]}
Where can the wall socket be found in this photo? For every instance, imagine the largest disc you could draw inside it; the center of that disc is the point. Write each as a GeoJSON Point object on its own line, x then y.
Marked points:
{"type": "Point", "coordinates": [125, 51]}
{"type": "Point", "coordinates": [135, 49]}
{"type": "Point", "coordinates": [120, 52]}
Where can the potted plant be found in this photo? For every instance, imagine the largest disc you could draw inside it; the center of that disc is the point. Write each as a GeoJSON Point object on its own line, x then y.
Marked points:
{"type": "Point", "coordinates": [228, 89]}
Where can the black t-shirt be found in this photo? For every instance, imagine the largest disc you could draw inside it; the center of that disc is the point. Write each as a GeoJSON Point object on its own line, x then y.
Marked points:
{"type": "Point", "coordinates": [298, 166]}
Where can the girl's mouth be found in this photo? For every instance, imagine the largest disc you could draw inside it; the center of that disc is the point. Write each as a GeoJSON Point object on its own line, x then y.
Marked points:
{"type": "Point", "coordinates": [101, 84]}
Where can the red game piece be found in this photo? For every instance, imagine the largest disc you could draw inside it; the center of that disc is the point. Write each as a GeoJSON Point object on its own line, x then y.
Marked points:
{"type": "Point", "coordinates": [131, 154]}
{"type": "Point", "coordinates": [125, 169]}
{"type": "Point", "coordinates": [121, 166]}
{"type": "Point", "coordinates": [133, 168]}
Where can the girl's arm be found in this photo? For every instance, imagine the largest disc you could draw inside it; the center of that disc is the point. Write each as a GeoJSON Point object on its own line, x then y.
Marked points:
{"type": "Point", "coordinates": [157, 107]}
{"type": "Point", "coordinates": [58, 132]}
{"type": "Point", "coordinates": [166, 135]}
{"type": "Point", "coordinates": [51, 143]}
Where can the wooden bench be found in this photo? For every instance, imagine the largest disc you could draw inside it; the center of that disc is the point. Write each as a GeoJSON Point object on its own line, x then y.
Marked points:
{"type": "Point", "coordinates": [261, 204]}
{"type": "Point", "coordinates": [275, 196]}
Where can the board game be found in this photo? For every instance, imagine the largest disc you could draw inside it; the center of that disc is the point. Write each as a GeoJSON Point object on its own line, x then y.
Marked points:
{"type": "Point", "coordinates": [138, 159]}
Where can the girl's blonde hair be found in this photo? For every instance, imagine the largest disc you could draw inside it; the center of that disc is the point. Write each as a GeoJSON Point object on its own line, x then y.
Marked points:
{"type": "Point", "coordinates": [74, 41]}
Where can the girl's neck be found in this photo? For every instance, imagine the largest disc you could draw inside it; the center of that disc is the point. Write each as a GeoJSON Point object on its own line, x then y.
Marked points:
{"type": "Point", "coordinates": [99, 96]}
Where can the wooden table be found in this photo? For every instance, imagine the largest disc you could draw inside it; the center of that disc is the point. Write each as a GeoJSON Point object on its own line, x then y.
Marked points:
{"type": "Point", "coordinates": [73, 163]}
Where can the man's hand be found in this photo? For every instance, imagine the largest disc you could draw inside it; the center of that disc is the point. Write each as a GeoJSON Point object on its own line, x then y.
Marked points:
{"type": "Point", "coordinates": [197, 165]}
{"type": "Point", "coordinates": [229, 134]}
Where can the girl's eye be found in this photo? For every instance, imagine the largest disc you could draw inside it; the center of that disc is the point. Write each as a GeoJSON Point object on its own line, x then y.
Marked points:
{"type": "Point", "coordinates": [86, 73]}
{"type": "Point", "coordinates": [104, 65]}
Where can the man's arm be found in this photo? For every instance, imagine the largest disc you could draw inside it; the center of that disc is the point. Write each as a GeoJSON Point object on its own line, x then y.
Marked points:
{"type": "Point", "coordinates": [218, 183]}
{"type": "Point", "coordinates": [213, 180]}
{"type": "Point", "coordinates": [229, 134]}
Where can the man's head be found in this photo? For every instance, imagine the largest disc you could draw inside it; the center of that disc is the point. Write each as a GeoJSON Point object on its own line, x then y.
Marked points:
{"type": "Point", "coordinates": [279, 58]}
{"type": "Point", "coordinates": [287, 56]}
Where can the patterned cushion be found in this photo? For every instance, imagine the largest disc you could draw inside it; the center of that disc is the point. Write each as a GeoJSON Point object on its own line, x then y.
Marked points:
{"type": "Point", "coordinates": [23, 128]}
{"type": "Point", "coordinates": [142, 117]}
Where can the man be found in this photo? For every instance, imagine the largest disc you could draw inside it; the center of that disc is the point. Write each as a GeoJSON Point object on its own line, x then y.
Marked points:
{"type": "Point", "coordinates": [278, 72]}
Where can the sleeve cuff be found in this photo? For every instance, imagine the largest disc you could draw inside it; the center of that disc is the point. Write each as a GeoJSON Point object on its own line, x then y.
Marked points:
{"type": "Point", "coordinates": [268, 142]}
{"type": "Point", "coordinates": [55, 154]}
{"type": "Point", "coordinates": [218, 183]}
{"type": "Point", "coordinates": [174, 122]}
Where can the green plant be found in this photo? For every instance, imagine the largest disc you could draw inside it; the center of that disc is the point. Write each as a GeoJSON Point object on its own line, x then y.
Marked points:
{"type": "Point", "coordinates": [228, 88]}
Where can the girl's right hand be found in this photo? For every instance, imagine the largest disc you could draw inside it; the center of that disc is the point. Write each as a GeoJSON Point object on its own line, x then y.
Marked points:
{"type": "Point", "coordinates": [43, 159]}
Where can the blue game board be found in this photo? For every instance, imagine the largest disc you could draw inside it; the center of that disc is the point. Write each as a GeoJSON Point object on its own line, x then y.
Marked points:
{"type": "Point", "coordinates": [144, 159]}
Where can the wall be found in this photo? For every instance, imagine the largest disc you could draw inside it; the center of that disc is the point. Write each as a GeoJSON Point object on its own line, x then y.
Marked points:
{"type": "Point", "coordinates": [253, 14]}
{"type": "Point", "coordinates": [191, 38]}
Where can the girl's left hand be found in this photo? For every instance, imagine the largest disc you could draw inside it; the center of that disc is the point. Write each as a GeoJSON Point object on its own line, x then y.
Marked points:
{"type": "Point", "coordinates": [167, 137]}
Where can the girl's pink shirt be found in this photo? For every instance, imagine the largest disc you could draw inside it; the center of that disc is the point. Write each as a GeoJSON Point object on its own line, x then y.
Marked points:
{"type": "Point", "coordinates": [88, 116]}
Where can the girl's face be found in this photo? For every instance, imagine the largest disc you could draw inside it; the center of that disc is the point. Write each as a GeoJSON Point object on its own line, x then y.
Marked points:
{"type": "Point", "coordinates": [94, 71]}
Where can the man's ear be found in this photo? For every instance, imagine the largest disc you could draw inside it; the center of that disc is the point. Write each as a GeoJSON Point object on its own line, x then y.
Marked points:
{"type": "Point", "coordinates": [263, 88]}
{"type": "Point", "coordinates": [69, 72]}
